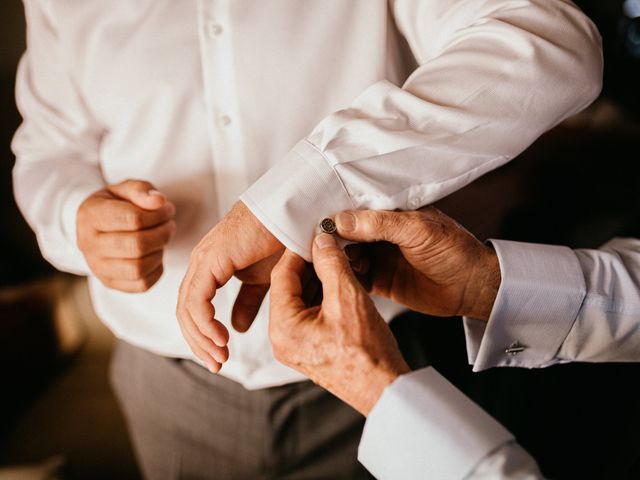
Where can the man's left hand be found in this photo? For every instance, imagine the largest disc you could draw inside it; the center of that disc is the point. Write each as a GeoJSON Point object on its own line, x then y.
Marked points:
{"type": "Point", "coordinates": [343, 344]}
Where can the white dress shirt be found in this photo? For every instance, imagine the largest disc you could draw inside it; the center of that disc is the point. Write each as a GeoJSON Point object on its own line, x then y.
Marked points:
{"type": "Point", "coordinates": [212, 101]}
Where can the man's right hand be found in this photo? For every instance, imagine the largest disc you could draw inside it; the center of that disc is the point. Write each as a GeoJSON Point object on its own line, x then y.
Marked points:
{"type": "Point", "coordinates": [122, 231]}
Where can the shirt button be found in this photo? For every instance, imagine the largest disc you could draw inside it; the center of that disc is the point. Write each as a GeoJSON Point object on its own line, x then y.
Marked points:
{"type": "Point", "coordinates": [225, 120]}
{"type": "Point", "coordinates": [214, 29]}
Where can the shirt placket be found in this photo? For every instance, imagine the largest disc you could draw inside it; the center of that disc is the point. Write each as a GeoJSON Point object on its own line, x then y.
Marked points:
{"type": "Point", "coordinates": [224, 122]}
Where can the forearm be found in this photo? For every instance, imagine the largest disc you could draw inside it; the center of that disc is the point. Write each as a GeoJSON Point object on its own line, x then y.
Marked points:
{"type": "Point", "coordinates": [491, 79]}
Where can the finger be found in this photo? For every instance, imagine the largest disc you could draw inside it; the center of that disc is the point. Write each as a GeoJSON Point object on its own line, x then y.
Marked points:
{"type": "Point", "coordinates": [114, 215]}
{"type": "Point", "coordinates": [247, 304]}
{"type": "Point", "coordinates": [405, 229]}
{"type": "Point", "coordinates": [212, 365]}
{"type": "Point", "coordinates": [286, 285]}
{"type": "Point", "coordinates": [205, 322]}
{"type": "Point", "coordinates": [134, 244]}
{"type": "Point", "coordinates": [139, 192]}
{"type": "Point", "coordinates": [331, 265]}
{"type": "Point", "coordinates": [199, 279]}
{"type": "Point", "coordinates": [133, 286]}
{"type": "Point", "coordinates": [219, 353]}
{"type": "Point", "coordinates": [127, 269]}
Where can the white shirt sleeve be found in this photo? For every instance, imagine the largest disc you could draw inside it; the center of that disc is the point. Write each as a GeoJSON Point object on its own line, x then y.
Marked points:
{"type": "Point", "coordinates": [561, 305]}
{"type": "Point", "coordinates": [423, 427]}
{"type": "Point", "coordinates": [56, 146]}
{"type": "Point", "coordinates": [492, 77]}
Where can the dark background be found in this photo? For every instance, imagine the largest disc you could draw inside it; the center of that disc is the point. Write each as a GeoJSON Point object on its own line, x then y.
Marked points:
{"type": "Point", "coordinates": [578, 186]}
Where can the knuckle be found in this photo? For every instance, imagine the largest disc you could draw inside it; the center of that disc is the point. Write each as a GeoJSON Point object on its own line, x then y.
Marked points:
{"type": "Point", "coordinates": [181, 314]}
{"type": "Point", "coordinates": [136, 246]}
{"type": "Point", "coordinates": [375, 221]}
{"type": "Point", "coordinates": [207, 329]}
{"type": "Point", "coordinates": [82, 216]}
{"type": "Point", "coordinates": [409, 227]}
{"type": "Point", "coordinates": [143, 284]}
{"type": "Point", "coordinates": [135, 269]}
{"type": "Point", "coordinates": [198, 256]}
{"type": "Point", "coordinates": [83, 240]}
{"type": "Point", "coordinates": [133, 219]}
{"type": "Point", "coordinates": [143, 184]}
{"type": "Point", "coordinates": [416, 220]}
{"type": "Point", "coordinates": [107, 282]}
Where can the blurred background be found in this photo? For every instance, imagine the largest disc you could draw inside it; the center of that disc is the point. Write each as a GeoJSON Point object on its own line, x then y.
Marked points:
{"type": "Point", "coordinates": [578, 185]}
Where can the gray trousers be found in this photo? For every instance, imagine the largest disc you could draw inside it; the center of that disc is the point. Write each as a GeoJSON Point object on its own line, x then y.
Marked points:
{"type": "Point", "coordinates": [186, 423]}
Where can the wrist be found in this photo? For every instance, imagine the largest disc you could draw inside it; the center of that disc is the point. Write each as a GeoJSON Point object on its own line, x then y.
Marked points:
{"type": "Point", "coordinates": [372, 382]}
{"type": "Point", "coordinates": [483, 284]}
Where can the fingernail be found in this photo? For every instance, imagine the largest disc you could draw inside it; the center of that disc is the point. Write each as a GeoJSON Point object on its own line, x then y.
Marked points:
{"type": "Point", "coordinates": [213, 367]}
{"type": "Point", "coordinates": [346, 221]}
{"type": "Point", "coordinates": [324, 240]}
{"type": "Point", "coordinates": [156, 193]}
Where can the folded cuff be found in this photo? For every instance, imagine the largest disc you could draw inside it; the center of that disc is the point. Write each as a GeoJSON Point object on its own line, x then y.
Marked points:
{"type": "Point", "coordinates": [295, 195]}
{"type": "Point", "coordinates": [538, 301]}
{"type": "Point", "coordinates": [424, 427]}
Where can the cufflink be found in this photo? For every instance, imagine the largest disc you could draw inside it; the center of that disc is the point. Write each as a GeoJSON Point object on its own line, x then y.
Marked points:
{"type": "Point", "coordinates": [514, 349]}
{"type": "Point", "coordinates": [328, 226]}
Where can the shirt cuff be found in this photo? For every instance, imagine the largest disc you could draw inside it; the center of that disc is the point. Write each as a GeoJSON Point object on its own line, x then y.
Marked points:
{"type": "Point", "coordinates": [74, 259]}
{"type": "Point", "coordinates": [424, 427]}
{"type": "Point", "coordinates": [539, 298]}
{"type": "Point", "coordinates": [295, 195]}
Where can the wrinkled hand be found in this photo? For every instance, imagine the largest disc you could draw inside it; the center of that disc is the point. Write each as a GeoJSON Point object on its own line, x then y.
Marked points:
{"type": "Point", "coordinates": [424, 260]}
{"type": "Point", "coordinates": [238, 245]}
{"type": "Point", "coordinates": [342, 344]}
{"type": "Point", "coordinates": [122, 231]}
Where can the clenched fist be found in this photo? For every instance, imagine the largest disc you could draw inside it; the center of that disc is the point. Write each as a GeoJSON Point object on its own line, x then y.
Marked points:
{"type": "Point", "coordinates": [122, 231]}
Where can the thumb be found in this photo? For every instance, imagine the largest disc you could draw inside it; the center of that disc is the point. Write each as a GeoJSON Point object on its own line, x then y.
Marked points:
{"type": "Point", "coordinates": [332, 266]}
{"type": "Point", "coordinates": [139, 192]}
{"type": "Point", "coordinates": [405, 229]}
